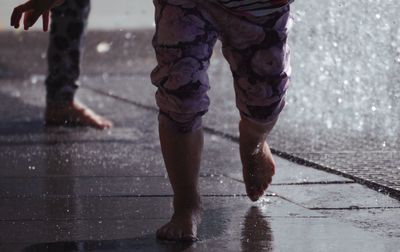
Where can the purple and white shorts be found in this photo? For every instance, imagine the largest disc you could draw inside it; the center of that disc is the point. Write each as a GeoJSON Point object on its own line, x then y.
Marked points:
{"type": "Point", "coordinates": [255, 47]}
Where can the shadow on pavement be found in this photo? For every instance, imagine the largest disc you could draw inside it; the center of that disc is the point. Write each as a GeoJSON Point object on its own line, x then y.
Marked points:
{"type": "Point", "coordinates": [18, 117]}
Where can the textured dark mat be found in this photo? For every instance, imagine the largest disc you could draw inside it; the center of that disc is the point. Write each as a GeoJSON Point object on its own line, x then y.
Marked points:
{"type": "Point", "coordinates": [360, 158]}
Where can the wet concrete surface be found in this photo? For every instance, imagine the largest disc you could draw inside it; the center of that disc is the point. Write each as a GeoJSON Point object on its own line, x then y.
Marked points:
{"type": "Point", "coordinates": [64, 189]}
{"type": "Point", "coordinates": [230, 224]}
{"type": "Point", "coordinates": [86, 190]}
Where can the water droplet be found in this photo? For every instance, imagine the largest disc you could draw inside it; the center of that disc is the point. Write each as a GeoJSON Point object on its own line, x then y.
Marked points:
{"type": "Point", "coordinates": [16, 94]}
{"type": "Point", "coordinates": [34, 79]}
{"type": "Point", "coordinates": [328, 123]}
{"type": "Point", "coordinates": [103, 47]}
{"type": "Point", "coordinates": [128, 35]}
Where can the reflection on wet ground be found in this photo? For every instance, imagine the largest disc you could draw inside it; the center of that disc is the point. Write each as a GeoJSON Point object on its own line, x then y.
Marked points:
{"type": "Point", "coordinates": [256, 232]}
{"type": "Point", "coordinates": [140, 244]}
{"type": "Point", "coordinates": [256, 235]}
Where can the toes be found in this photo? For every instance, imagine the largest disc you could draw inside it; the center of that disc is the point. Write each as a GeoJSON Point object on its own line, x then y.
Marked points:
{"type": "Point", "coordinates": [167, 233]}
{"type": "Point", "coordinates": [171, 233]}
{"type": "Point", "coordinates": [255, 193]}
{"type": "Point", "coordinates": [106, 124]}
{"type": "Point", "coordinates": [253, 198]}
{"type": "Point", "coordinates": [160, 234]}
{"type": "Point", "coordinates": [99, 122]}
{"type": "Point", "coordinates": [189, 238]}
{"type": "Point", "coordinates": [164, 233]}
{"type": "Point", "coordinates": [266, 185]}
{"type": "Point", "coordinates": [174, 234]}
{"type": "Point", "coordinates": [96, 122]}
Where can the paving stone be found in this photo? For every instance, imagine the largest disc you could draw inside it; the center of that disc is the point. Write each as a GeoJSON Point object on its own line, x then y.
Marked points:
{"type": "Point", "coordinates": [334, 196]}
{"type": "Point", "coordinates": [382, 221]}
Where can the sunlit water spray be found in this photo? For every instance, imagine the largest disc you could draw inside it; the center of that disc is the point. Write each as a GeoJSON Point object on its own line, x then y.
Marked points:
{"type": "Point", "coordinates": [346, 67]}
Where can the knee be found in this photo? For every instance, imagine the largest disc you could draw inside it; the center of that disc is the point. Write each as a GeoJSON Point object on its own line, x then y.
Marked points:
{"type": "Point", "coordinates": [182, 93]}
{"type": "Point", "coordinates": [180, 74]}
{"type": "Point", "coordinates": [272, 61]}
{"type": "Point", "coordinates": [262, 101]}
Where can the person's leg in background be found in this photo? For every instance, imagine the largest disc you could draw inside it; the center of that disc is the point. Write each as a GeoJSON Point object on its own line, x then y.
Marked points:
{"type": "Point", "coordinates": [183, 43]}
{"type": "Point", "coordinates": [65, 50]}
{"type": "Point", "coordinates": [259, 60]}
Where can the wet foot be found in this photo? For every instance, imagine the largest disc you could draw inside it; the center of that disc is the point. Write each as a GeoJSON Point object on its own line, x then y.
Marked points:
{"type": "Point", "coordinates": [74, 114]}
{"type": "Point", "coordinates": [258, 169]}
{"type": "Point", "coordinates": [182, 226]}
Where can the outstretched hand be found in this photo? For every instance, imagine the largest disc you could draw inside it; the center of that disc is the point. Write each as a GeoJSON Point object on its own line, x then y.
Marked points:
{"type": "Point", "coordinates": [32, 10]}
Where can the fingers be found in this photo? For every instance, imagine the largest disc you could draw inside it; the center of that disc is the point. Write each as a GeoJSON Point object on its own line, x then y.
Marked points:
{"type": "Point", "coordinates": [30, 18]}
{"type": "Point", "coordinates": [45, 18]}
{"type": "Point", "coordinates": [17, 13]}
{"type": "Point", "coordinates": [16, 16]}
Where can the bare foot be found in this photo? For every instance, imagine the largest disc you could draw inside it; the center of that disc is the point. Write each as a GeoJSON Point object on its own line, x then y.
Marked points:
{"type": "Point", "coordinates": [74, 114]}
{"type": "Point", "coordinates": [258, 169]}
{"type": "Point", "coordinates": [182, 226]}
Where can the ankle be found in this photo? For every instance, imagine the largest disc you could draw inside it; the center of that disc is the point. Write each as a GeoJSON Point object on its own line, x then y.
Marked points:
{"type": "Point", "coordinates": [253, 134]}
{"type": "Point", "coordinates": [255, 129]}
{"type": "Point", "coordinates": [187, 203]}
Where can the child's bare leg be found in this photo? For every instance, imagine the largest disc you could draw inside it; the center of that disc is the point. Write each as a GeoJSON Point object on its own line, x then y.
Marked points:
{"type": "Point", "coordinates": [182, 156]}
{"type": "Point", "coordinates": [74, 114]}
{"type": "Point", "coordinates": [257, 161]}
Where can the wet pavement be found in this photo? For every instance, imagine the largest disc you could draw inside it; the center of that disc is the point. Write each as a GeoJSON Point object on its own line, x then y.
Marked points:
{"type": "Point", "coordinates": [65, 189]}
{"type": "Point", "coordinates": [79, 189]}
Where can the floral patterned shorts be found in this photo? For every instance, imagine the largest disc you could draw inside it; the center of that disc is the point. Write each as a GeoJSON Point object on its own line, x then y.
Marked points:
{"type": "Point", "coordinates": [255, 47]}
